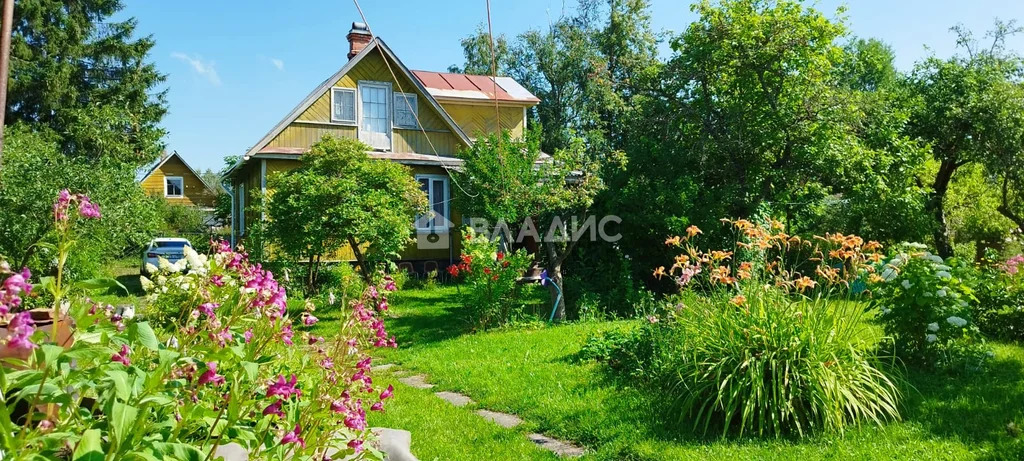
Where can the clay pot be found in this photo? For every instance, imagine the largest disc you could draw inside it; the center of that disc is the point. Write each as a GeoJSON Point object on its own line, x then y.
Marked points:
{"type": "Point", "coordinates": [44, 322]}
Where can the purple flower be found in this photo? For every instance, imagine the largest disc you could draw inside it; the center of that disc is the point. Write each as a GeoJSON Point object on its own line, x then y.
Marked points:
{"type": "Point", "coordinates": [217, 280]}
{"type": "Point", "coordinates": [13, 288]}
{"type": "Point", "coordinates": [338, 406]}
{"type": "Point", "coordinates": [309, 320]}
{"type": "Point", "coordinates": [122, 356]}
{"type": "Point", "coordinates": [364, 364]}
{"type": "Point", "coordinates": [207, 309]}
{"type": "Point", "coordinates": [379, 406]}
{"type": "Point", "coordinates": [274, 409]}
{"type": "Point", "coordinates": [356, 419]}
{"type": "Point", "coordinates": [286, 334]}
{"type": "Point", "coordinates": [211, 376]}
{"type": "Point", "coordinates": [284, 389]}
{"type": "Point", "coordinates": [373, 292]}
{"type": "Point", "coordinates": [327, 363]}
{"type": "Point", "coordinates": [87, 209]}
{"type": "Point", "coordinates": [544, 277]}
{"type": "Point", "coordinates": [388, 393]}
{"type": "Point", "coordinates": [21, 326]}
{"type": "Point", "coordinates": [293, 437]}
{"type": "Point", "coordinates": [247, 335]}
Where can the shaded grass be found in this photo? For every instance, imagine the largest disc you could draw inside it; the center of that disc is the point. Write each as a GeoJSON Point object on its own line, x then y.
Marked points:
{"type": "Point", "coordinates": [530, 371]}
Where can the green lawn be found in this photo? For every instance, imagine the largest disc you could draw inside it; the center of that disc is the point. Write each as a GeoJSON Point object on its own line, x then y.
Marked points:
{"type": "Point", "coordinates": [531, 372]}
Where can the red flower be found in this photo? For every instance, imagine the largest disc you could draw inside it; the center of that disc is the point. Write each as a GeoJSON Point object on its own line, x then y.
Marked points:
{"type": "Point", "coordinates": [487, 270]}
{"type": "Point", "coordinates": [453, 270]}
{"type": "Point", "coordinates": [467, 259]}
{"type": "Point", "coordinates": [501, 256]}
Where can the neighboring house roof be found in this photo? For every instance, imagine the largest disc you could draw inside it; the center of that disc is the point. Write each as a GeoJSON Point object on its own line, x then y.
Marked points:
{"type": "Point", "coordinates": [160, 162]}
{"type": "Point", "coordinates": [462, 87]}
{"type": "Point", "coordinates": [375, 46]}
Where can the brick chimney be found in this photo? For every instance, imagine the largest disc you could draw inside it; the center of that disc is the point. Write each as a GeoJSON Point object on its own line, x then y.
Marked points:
{"type": "Point", "coordinates": [358, 38]}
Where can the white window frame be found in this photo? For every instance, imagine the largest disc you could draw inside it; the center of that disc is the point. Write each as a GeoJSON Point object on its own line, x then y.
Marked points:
{"type": "Point", "coordinates": [390, 100]}
{"type": "Point", "coordinates": [180, 179]}
{"type": "Point", "coordinates": [355, 100]}
{"type": "Point", "coordinates": [445, 196]}
{"type": "Point", "coordinates": [415, 109]}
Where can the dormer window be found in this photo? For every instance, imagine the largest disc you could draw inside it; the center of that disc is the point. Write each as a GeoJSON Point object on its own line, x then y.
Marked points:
{"type": "Point", "coordinates": [174, 186]}
{"type": "Point", "coordinates": [343, 105]}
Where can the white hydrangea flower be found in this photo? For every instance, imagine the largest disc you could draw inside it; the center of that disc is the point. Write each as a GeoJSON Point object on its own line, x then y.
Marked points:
{"type": "Point", "coordinates": [934, 326]}
{"type": "Point", "coordinates": [944, 275]}
{"type": "Point", "coordinates": [886, 311]}
{"type": "Point", "coordinates": [956, 321]}
{"type": "Point", "coordinates": [888, 274]}
{"type": "Point", "coordinates": [128, 312]}
{"type": "Point", "coordinates": [906, 284]}
{"type": "Point", "coordinates": [943, 267]}
{"type": "Point", "coordinates": [147, 284]}
{"type": "Point", "coordinates": [180, 266]}
{"type": "Point", "coordinates": [962, 303]}
{"type": "Point", "coordinates": [928, 294]}
{"type": "Point", "coordinates": [931, 338]}
{"type": "Point", "coordinates": [941, 292]}
{"type": "Point", "coordinates": [935, 258]}
{"type": "Point", "coordinates": [164, 264]}
{"type": "Point", "coordinates": [150, 268]}
{"type": "Point", "coordinates": [917, 246]}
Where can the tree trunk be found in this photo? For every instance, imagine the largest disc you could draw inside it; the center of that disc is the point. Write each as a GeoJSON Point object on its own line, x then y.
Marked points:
{"type": "Point", "coordinates": [937, 208]}
{"type": "Point", "coordinates": [1004, 207]}
{"type": "Point", "coordinates": [554, 268]}
{"type": "Point", "coordinates": [309, 274]}
{"type": "Point", "coordinates": [364, 267]}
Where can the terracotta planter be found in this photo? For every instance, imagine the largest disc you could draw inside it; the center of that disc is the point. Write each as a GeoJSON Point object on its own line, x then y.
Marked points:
{"type": "Point", "coordinates": [45, 323]}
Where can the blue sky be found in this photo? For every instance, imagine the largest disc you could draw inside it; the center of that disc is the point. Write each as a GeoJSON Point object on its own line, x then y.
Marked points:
{"type": "Point", "coordinates": [234, 70]}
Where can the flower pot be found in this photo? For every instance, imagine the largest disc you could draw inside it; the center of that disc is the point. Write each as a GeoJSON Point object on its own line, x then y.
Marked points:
{"type": "Point", "coordinates": [44, 322]}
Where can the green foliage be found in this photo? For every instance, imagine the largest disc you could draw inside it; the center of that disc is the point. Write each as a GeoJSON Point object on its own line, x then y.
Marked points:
{"type": "Point", "coordinates": [999, 287]}
{"type": "Point", "coordinates": [338, 197]}
{"type": "Point", "coordinates": [33, 173]}
{"type": "Point", "coordinates": [79, 71]}
{"type": "Point", "coordinates": [178, 220]}
{"type": "Point", "coordinates": [777, 366]}
{"type": "Point", "coordinates": [924, 304]}
{"type": "Point", "coordinates": [493, 295]}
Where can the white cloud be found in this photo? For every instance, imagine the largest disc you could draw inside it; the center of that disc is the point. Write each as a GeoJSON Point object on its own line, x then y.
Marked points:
{"type": "Point", "coordinates": [205, 69]}
{"type": "Point", "coordinates": [279, 64]}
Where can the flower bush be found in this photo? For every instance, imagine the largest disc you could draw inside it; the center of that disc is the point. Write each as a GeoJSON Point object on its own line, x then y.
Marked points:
{"type": "Point", "coordinates": [999, 288]}
{"type": "Point", "coordinates": [492, 295]}
{"type": "Point", "coordinates": [229, 369]}
{"type": "Point", "coordinates": [766, 337]}
{"type": "Point", "coordinates": [924, 305]}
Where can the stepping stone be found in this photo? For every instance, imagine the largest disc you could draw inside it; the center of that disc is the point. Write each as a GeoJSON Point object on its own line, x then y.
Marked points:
{"type": "Point", "coordinates": [558, 447]}
{"type": "Point", "coordinates": [417, 381]}
{"type": "Point", "coordinates": [383, 367]}
{"type": "Point", "coordinates": [454, 398]}
{"type": "Point", "coordinates": [502, 419]}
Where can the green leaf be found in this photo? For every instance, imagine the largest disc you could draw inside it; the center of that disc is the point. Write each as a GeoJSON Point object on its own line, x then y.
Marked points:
{"type": "Point", "coordinates": [104, 283]}
{"type": "Point", "coordinates": [50, 353]}
{"type": "Point", "coordinates": [179, 451]}
{"type": "Point", "coordinates": [90, 447]}
{"type": "Point", "coordinates": [251, 369]}
{"type": "Point", "coordinates": [122, 388]}
{"type": "Point", "coordinates": [143, 333]}
{"type": "Point", "coordinates": [122, 419]}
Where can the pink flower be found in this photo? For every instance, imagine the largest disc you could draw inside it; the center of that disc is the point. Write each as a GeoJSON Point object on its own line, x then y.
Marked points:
{"type": "Point", "coordinates": [338, 406]}
{"type": "Point", "coordinates": [13, 288]}
{"type": "Point", "coordinates": [217, 280]}
{"type": "Point", "coordinates": [379, 406]}
{"type": "Point", "coordinates": [286, 334]}
{"type": "Point", "coordinates": [356, 445]}
{"type": "Point", "coordinates": [284, 389]}
{"type": "Point", "coordinates": [327, 363]}
{"type": "Point", "coordinates": [389, 284]}
{"type": "Point", "coordinates": [309, 320]}
{"type": "Point", "coordinates": [247, 335]}
{"type": "Point", "coordinates": [356, 419]}
{"type": "Point", "coordinates": [388, 393]}
{"type": "Point", "coordinates": [364, 364]}
{"type": "Point", "coordinates": [274, 409]}
{"type": "Point", "coordinates": [87, 209]}
{"type": "Point", "coordinates": [207, 309]}
{"type": "Point", "coordinates": [21, 326]}
{"type": "Point", "coordinates": [222, 337]}
{"type": "Point", "coordinates": [372, 291]}
{"type": "Point", "coordinates": [211, 376]}
{"type": "Point", "coordinates": [122, 356]}
{"type": "Point", "coordinates": [293, 437]}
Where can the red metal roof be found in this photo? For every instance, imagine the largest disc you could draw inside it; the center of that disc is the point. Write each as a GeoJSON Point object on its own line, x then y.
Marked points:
{"type": "Point", "coordinates": [444, 85]}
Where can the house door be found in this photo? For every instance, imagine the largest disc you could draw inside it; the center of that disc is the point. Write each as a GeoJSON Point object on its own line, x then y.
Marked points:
{"type": "Point", "coordinates": [375, 115]}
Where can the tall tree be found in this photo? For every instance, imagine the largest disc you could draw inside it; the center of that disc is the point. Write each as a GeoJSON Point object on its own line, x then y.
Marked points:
{"type": "Point", "coordinates": [967, 110]}
{"type": "Point", "coordinates": [85, 77]}
{"type": "Point", "coordinates": [476, 48]}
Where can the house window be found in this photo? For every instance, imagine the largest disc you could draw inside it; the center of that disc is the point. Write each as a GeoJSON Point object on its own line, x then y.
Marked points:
{"type": "Point", "coordinates": [375, 114]}
{"type": "Point", "coordinates": [174, 186]}
{"type": "Point", "coordinates": [405, 110]}
{"type": "Point", "coordinates": [343, 105]}
{"type": "Point", "coordinates": [436, 189]}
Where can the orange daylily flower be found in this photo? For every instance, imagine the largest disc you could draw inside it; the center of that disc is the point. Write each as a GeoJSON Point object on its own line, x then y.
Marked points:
{"type": "Point", "coordinates": [738, 300]}
{"type": "Point", "coordinates": [692, 231]}
{"type": "Point", "coordinates": [804, 283]}
{"type": "Point", "coordinates": [659, 272]}
{"type": "Point", "coordinates": [675, 240]}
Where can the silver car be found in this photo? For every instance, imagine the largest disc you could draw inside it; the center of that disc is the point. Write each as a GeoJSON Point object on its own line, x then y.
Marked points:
{"type": "Point", "coordinates": [171, 249]}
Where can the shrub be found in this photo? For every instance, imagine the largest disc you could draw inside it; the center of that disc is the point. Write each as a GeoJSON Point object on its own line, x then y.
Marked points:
{"type": "Point", "coordinates": [999, 312]}
{"type": "Point", "coordinates": [492, 294]}
{"type": "Point", "coordinates": [776, 365]}
{"type": "Point", "coordinates": [924, 305]}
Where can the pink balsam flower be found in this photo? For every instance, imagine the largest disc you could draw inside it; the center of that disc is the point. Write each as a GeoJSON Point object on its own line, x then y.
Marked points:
{"type": "Point", "coordinates": [211, 376]}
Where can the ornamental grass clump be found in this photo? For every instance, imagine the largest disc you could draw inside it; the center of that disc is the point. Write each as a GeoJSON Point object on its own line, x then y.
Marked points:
{"type": "Point", "coordinates": [774, 344]}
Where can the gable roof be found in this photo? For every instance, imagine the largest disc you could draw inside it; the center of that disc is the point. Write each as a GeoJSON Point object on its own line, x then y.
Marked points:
{"type": "Point", "coordinates": [445, 85]}
{"type": "Point", "coordinates": [160, 162]}
{"type": "Point", "coordinates": [374, 45]}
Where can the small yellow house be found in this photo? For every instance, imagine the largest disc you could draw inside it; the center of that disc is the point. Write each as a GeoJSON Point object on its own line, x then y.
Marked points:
{"type": "Point", "coordinates": [176, 182]}
{"type": "Point", "coordinates": [416, 118]}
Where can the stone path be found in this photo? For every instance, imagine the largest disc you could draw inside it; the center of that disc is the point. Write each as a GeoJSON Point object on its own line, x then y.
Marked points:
{"type": "Point", "coordinates": [561, 448]}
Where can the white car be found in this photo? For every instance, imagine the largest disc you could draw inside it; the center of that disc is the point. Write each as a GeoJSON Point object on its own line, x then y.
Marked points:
{"type": "Point", "coordinates": [171, 249]}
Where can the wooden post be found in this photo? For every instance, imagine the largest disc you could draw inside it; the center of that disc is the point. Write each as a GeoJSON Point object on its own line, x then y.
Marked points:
{"type": "Point", "coordinates": [5, 66]}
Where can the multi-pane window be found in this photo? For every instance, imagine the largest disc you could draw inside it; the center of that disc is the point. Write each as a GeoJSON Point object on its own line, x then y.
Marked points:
{"type": "Point", "coordinates": [436, 189]}
{"type": "Point", "coordinates": [343, 105]}
{"type": "Point", "coordinates": [375, 114]}
{"type": "Point", "coordinates": [174, 186]}
{"type": "Point", "coordinates": [405, 110]}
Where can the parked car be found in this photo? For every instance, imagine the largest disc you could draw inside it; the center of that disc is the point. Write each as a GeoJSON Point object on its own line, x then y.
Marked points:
{"type": "Point", "coordinates": [171, 249]}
